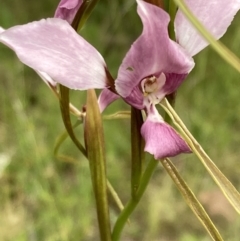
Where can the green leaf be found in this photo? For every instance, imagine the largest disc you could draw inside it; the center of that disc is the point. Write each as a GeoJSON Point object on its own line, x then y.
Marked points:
{"type": "Point", "coordinates": [191, 200]}
{"type": "Point", "coordinates": [94, 140]}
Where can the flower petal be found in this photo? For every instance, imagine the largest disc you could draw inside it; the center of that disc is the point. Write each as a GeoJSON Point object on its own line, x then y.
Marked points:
{"type": "Point", "coordinates": [160, 138]}
{"type": "Point", "coordinates": [172, 83]}
{"type": "Point", "coordinates": [153, 52]}
{"type": "Point", "coordinates": [53, 47]}
{"type": "Point", "coordinates": [136, 98]}
{"type": "Point", "coordinates": [67, 9]}
{"type": "Point", "coordinates": [46, 78]}
{"type": "Point", "coordinates": [105, 98]}
{"type": "Point", "coordinates": [215, 15]}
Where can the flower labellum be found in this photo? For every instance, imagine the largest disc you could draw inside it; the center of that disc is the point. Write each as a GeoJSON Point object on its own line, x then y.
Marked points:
{"type": "Point", "coordinates": [159, 137]}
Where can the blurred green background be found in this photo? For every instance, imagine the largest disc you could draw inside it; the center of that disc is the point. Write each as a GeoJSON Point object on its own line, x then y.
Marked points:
{"type": "Point", "coordinates": [44, 198]}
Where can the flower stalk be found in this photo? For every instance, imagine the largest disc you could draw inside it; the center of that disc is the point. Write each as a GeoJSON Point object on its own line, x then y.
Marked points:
{"type": "Point", "coordinates": [83, 13]}
{"type": "Point", "coordinates": [172, 10]}
{"type": "Point", "coordinates": [137, 146]}
{"type": "Point", "coordinates": [94, 140]}
{"type": "Point", "coordinates": [132, 204]}
{"type": "Point", "coordinates": [64, 105]}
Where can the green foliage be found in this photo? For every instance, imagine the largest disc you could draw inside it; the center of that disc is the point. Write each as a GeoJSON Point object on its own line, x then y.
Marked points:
{"type": "Point", "coordinates": [44, 198]}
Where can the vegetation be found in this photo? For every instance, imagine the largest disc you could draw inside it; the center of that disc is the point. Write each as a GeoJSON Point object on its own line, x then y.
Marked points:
{"type": "Point", "coordinates": [43, 197]}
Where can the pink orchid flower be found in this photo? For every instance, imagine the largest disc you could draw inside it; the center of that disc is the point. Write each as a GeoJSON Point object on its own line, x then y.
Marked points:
{"type": "Point", "coordinates": [154, 66]}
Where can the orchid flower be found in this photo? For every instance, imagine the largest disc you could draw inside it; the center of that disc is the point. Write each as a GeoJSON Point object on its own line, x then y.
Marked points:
{"type": "Point", "coordinates": [154, 67]}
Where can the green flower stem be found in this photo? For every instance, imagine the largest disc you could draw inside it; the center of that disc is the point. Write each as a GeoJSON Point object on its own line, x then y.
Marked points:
{"type": "Point", "coordinates": [125, 114]}
{"type": "Point", "coordinates": [191, 200]}
{"type": "Point", "coordinates": [224, 184]}
{"type": "Point", "coordinates": [72, 108]}
{"type": "Point", "coordinates": [131, 205]}
{"type": "Point", "coordinates": [61, 138]}
{"type": "Point", "coordinates": [83, 13]}
{"type": "Point", "coordinates": [220, 48]}
{"type": "Point", "coordinates": [137, 146]}
{"type": "Point", "coordinates": [95, 146]}
{"type": "Point", "coordinates": [172, 9]}
{"type": "Point", "coordinates": [115, 196]}
{"type": "Point", "coordinates": [59, 143]}
{"type": "Point", "coordinates": [64, 105]}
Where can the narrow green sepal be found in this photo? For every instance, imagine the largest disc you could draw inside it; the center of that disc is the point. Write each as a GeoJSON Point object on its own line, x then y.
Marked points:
{"type": "Point", "coordinates": [125, 114]}
{"type": "Point", "coordinates": [64, 104]}
{"type": "Point", "coordinates": [172, 10]}
{"type": "Point", "coordinates": [62, 137]}
{"type": "Point", "coordinates": [83, 14]}
{"type": "Point", "coordinates": [137, 146]}
{"type": "Point", "coordinates": [94, 141]}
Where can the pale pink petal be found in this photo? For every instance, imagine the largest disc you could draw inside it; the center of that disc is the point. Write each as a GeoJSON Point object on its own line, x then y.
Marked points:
{"type": "Point", "coordinates": [105, 98]}
{"type": "Point", "coordinates": [160, 138]}
{"type": "Point", "coordinates": [153, 52]}
{"type": "Point", "coordinates": [46, 78]}
{"type": "Point", "coordinates": [67, 9]}
{"type": "Point", "coordinates": [215, 15]}
{"type": "Point", "coordinates": [53, 47]}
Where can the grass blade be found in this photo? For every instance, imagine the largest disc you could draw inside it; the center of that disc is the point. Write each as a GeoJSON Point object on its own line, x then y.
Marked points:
{"type": "Point", "coordinates": [191, 200]}
{"type": "Point", "coordinates": [221, 180]}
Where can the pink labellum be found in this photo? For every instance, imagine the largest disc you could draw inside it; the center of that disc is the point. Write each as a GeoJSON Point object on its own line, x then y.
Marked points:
{"type": "Point", "coordinates": [160, 138]}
